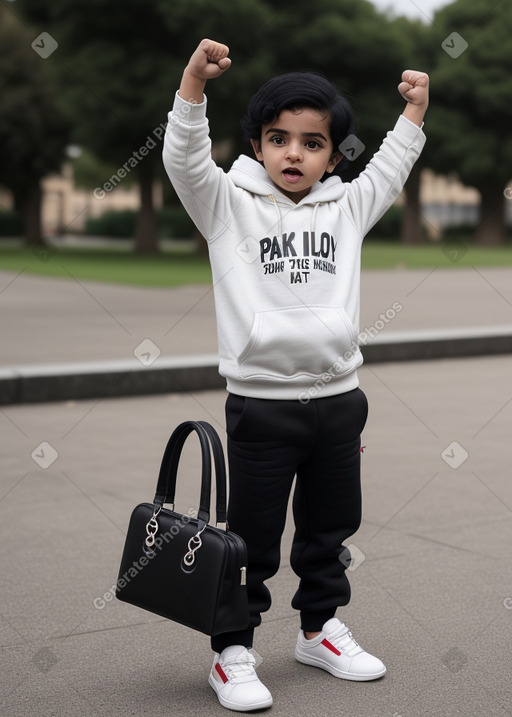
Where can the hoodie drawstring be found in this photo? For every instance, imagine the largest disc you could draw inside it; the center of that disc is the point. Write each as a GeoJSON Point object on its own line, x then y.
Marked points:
{"type": "Point", "coordinates": [313, 218]}
{"type": "Point", "coordinates": [279, 217]}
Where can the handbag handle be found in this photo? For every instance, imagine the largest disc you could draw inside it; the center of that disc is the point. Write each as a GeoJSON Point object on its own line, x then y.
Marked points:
{"type": "Point", "coordinates": [220, 471]}
{"type": "Point", "coordinates": [166, 487]}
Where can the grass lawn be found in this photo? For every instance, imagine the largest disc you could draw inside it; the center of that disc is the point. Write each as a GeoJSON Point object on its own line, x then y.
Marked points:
{"type": "Point", "coordinates": [112, 265]}
{"type": "Point", "coordinates": [175, 268]}
{"type": "Point", "coordinates": [449, 253]}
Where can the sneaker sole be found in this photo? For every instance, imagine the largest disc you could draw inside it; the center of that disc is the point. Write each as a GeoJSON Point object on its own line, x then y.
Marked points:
{"type": "Point", "coordinates": [234, 705]}
{"type": "Point", "coordinates": [317, 662]}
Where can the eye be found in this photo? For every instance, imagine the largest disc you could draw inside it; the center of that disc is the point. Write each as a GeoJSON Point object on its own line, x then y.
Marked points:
{"type": "Point", "coordinates": [277, 139]}
{"type": "Point", "coordinates": [312, 144]}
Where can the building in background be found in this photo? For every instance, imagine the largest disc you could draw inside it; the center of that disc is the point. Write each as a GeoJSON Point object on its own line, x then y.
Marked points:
{"type": "Point", "coordinates": [445, 202]}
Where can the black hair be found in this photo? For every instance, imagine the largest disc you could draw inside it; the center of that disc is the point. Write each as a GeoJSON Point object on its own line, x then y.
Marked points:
{"type": "Point", "coordinates": [299, 90]}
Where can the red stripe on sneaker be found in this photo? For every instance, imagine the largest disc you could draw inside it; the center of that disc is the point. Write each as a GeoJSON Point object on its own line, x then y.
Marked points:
{"type": "Point", "coordinates": [330, 647]}
{"type": "Point", "coordinates": [221, 673]}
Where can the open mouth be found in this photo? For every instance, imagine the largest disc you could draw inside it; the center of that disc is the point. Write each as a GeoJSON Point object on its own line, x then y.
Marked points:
{"type": "Point", "coordinates": [292, 174]}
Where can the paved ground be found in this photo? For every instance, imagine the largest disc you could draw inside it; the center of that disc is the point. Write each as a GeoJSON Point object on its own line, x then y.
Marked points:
{"type": "Point", "coordinates": [432, 596]}
{"type": "Point", "coordinates": [51, 321]}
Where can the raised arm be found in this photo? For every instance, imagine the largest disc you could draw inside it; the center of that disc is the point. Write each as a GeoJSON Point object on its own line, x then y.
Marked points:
{"type": "Point", "coordinates": [414, 89]}
{"type": "Point", "coordinates": [206, 192]}
{"type": "Point", "coordinates": [377, 187]}
{"type": "Point", "coordinates": [208, 62]}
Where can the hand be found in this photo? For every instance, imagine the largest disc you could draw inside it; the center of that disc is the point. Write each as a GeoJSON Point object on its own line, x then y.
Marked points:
{"type": "Point", "coordinates": [414, 87]}
{"type": "Point", "coordinates": [209, 60]}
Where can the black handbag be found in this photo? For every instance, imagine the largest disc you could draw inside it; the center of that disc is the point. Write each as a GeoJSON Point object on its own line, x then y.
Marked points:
{"type": "Point", "coordinates": [177, 565]}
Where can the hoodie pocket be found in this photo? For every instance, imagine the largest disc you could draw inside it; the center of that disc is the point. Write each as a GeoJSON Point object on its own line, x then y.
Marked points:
{"type": "Point", "coordinates": [300, 341]}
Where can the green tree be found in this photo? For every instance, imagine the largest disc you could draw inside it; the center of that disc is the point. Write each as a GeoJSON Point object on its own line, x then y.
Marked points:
{"type": "Point", "coordinates": [358, 48]}
{"type": "Point", "coordinates": [243, 25]}
{"type": "Point", "coordinates": [364, 53]}
{"type": "Point", "coordinates": [471, 105]}
{"type": "Point", "coordinates": [416, 37]}
{"type": "Point", "coordinates": [119, 64]}
{"type": "Point", "coordinates": [108, 65]}
{"type": "Point", "coordinates": [33, 133]}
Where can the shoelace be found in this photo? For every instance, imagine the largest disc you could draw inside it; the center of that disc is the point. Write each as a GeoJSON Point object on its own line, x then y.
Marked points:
{"type": "Point", "coordinates": [240, 668]}
{"type": "Point", "coordinates": [342, 639]}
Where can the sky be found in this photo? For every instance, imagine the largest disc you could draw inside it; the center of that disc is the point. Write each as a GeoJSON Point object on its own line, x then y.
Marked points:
{"type": "Point", "coordinates": [420, 9]}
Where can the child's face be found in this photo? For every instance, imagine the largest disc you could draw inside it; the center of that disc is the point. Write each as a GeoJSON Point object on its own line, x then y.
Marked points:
{"type": "Point", "coordinates": [296, 150]}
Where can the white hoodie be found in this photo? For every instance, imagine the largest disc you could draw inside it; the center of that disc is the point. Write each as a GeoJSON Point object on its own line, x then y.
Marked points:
{"type": "Point", "coordinates": [286, 276]}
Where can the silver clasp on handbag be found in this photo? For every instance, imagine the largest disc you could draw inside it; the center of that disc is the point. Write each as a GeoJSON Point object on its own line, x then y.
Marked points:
{"type": "Point", "coordinates": [152, 528]}
{"type": "Point", "coordinates": [194, 544]}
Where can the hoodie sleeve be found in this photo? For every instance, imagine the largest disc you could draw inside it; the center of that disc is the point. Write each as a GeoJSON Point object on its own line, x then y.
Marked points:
{"type": "Point", "coordinates": [205, 191]}
{"type": "Point", "coordinates": [374, 191]}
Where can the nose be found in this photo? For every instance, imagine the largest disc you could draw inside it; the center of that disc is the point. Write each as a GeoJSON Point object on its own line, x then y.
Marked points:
{"type": "Point", "coordinates": [294, 152]}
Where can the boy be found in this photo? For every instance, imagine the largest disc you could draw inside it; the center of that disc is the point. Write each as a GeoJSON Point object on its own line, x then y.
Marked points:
{"type": "Point", "coordinates": [285, 255]}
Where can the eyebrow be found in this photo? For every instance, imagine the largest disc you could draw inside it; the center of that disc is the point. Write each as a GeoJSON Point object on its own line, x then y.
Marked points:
{"type": "Point", "coordinates": [304, 134]}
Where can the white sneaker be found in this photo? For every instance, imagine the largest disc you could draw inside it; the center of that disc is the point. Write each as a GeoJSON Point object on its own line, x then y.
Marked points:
{"type": "Point", "coordinates": [235, 681]}
{"type": "Point", "coordinates": [336, 651]}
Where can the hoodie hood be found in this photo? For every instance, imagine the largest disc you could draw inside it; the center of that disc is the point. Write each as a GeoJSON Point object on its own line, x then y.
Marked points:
{"type": "Point", "coordinates": [248, 174]}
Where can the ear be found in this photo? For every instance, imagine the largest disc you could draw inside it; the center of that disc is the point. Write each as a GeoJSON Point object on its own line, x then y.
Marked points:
{"type": "Point", "coordinates": [335, 159]}
{"type": "Point", "coordinates": [256, 145]}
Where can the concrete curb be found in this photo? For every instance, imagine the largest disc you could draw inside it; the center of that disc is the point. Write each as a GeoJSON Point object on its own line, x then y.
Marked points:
{"type": "Point", "coordinates": [427, 344]}
{"type": "Point", "coordinates": [107, 379]}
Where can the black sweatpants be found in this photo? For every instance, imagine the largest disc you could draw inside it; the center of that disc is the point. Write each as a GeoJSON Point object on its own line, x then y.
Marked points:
{"type": "Point", "coordinates": [269, 442]}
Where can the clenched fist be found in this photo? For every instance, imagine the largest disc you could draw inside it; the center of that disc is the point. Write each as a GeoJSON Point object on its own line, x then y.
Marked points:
{"type": "Point", "coordinates": [414, 89]}
{"type": "Point", "coordinates": [209, 60]}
